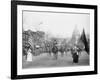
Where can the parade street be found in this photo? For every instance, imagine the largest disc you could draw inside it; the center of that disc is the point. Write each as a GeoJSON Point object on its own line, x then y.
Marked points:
{"type": "Point", "coordinates": [46, 60]}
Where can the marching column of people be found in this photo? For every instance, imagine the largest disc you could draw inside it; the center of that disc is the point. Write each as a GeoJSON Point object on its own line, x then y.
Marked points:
{"type": "Point", "coordinates": [75, 51]}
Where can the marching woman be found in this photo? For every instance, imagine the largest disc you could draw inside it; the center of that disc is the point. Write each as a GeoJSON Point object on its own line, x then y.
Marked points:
{"type": "Point", "coordinates": [75, 55]}
{"type": "Point", "coordinates": [55, 50]}
{"type": "Point", "coordinates": [29, 55]}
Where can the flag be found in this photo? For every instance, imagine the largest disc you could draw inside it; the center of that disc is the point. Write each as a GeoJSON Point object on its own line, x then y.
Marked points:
{"type": "Point", "coordinates": [84, 40]}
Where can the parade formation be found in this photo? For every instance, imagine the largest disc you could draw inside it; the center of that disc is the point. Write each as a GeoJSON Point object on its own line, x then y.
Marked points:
{"type": "Point", "coordinates": [35, 44]}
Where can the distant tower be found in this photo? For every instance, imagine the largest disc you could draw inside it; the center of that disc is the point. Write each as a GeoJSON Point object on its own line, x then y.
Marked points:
{"type": "Point", "coordinates": [75, 35]}
{"type": "Point", "coordinates": [75, 32]}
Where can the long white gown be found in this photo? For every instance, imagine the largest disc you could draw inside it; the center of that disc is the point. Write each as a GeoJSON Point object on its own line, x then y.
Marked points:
{"type": "Point", "coordinates": [29, 56]}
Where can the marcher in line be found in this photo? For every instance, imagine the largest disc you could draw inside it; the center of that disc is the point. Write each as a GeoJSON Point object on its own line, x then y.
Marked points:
{"type": "Point", "coordinates": [75, 55]}
{"type": "Point", "coordinates": [29, 55]}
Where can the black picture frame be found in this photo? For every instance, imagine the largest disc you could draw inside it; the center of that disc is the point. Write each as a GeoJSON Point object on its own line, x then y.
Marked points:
{"type": "Point", "coordinates": [14, 38]}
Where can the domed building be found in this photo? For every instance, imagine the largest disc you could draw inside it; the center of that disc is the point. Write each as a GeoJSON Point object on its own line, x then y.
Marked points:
{"type": "Point", "coordinates": [75, 36]}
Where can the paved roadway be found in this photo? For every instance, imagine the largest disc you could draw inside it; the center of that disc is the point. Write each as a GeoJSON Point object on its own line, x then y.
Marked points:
{"type": "Point", "coordinates": [45, 60]}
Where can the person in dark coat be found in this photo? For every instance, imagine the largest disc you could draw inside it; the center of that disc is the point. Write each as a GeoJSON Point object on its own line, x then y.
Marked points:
{"type": "Point", "coordinates": [55, 51]}
{"type": "Point", "coordinates": [62, 50]}
{"type": "Point", "coordinates": [75, 55]}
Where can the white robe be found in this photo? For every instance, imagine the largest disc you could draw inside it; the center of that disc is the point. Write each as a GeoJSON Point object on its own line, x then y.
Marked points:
{"type": "Point", "coordinates": [29, 56]}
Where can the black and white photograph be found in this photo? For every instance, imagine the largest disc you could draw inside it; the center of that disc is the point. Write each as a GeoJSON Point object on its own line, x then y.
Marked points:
{"type": "Point", "coordinates": [53, 39]}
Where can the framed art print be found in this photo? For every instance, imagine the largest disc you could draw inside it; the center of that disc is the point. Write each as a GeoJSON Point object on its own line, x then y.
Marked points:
{"type": "Point", "coordinates": [53, 39]}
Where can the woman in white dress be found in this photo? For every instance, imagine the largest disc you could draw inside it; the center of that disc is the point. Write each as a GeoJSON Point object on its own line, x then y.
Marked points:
{"type": "Point", "coordinates": [29, 55]}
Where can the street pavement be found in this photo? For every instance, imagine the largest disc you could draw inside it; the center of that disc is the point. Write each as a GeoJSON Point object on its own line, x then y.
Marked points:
{"type": "Point", "coordinates": [46, 60]}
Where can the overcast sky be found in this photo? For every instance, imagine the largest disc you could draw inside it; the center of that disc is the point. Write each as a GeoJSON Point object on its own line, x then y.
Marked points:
{"type": "Point", "coordinates": [57, 24]}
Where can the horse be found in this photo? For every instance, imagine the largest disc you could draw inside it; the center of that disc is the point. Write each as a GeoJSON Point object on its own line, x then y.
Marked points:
{"type": "Point", "coordinates": [62, 50]}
